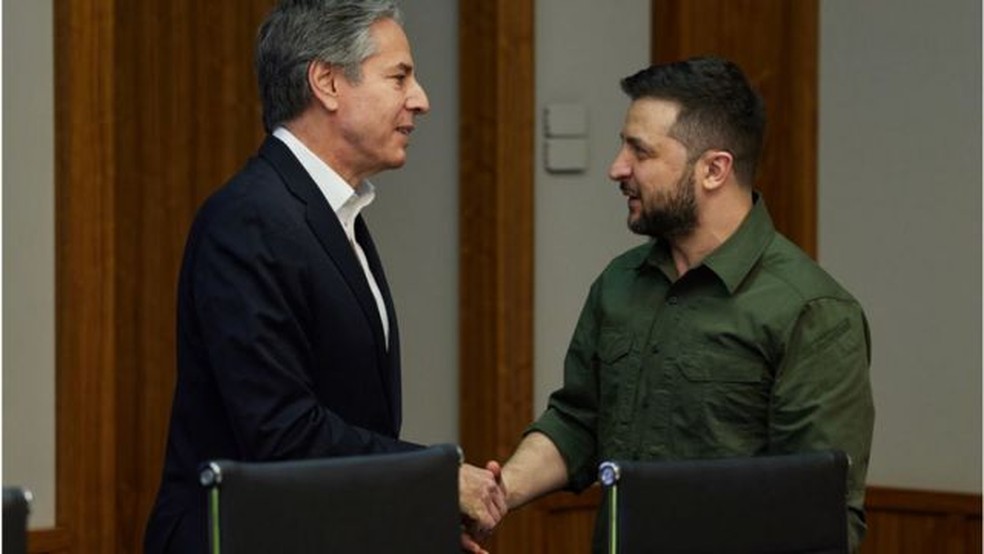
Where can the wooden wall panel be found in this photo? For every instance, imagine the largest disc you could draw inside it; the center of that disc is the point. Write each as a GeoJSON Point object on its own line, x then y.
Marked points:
{"type": "Point", "coordinates": [900, 521]}
{"type": "Point", "coordinates": [156, 106]}
{"type": "Point", "coordinates": [908, 521]}
{"type": "Point", "coordinates": [189, 117]}
{"type": "Point", "coordinates": [775, 42]}
{"type": "Point", "coordinates": [496, 237]}
{"type": "Point", "coordinates": [85, 260]}
{"type": "Point", "coordinates": [49, 541]}
{"type": "Point", "coordinates": [569, 521]}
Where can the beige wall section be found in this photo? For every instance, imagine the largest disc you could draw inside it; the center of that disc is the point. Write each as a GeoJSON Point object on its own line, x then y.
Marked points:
{"type": "Point", "coordinates": [29, 254]}
{"type": "Point", "coordinates": [414, 222]}
{"type": "Point", "coordinates": [900, 222]}
{"type": "Point", "coordinates": [583, 49]}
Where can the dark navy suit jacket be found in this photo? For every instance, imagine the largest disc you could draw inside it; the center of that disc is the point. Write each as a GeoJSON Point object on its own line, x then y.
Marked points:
{"type": "Point", "coordinates": [281, 352]}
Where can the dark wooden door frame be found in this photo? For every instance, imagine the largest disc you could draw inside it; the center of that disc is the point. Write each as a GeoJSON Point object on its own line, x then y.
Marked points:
{"type": "Point", "coordinates": [496, 121]}
{"type": "Point", "coordinates": [775, 42]}
{"type": "Point", "coordinates": [85, 271]}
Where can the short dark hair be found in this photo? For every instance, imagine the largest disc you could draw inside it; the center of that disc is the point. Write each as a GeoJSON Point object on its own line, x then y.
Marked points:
{"type": "Point", "coordinates": [300, 31]}
{"type": "Point", "coordinates": [718, 107]}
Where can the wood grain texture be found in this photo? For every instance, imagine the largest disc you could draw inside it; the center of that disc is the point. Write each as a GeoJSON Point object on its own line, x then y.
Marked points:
{"type": "Point", "coordinates": [912, 521]}
{"type": "Point", "coordinates": [49, 541]}
{"type": "Point", "coordinates": [189, 118]}
{"type": "Point", "coordinates": [569, 521]}
{"type": "Point", "coordinates": [86, 262]}
{"type": "Point", "coordinates": [775, 42]}
{"type": "Point", "coordinates": [496, 237]}
{"type": "Point", "coordinates": [156, 106]}
{"type": "Point", "coordinates": [900, 521]}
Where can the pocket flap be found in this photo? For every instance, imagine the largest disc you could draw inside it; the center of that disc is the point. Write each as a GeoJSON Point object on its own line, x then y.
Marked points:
{"type": "Point", "coordinates": [720, 368]}
{"type": "Point", "coordinates": [613, 345]}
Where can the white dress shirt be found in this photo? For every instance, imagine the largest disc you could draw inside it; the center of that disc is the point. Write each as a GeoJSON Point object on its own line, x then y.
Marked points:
{"type": "Point", "coordinates": [346, 203]}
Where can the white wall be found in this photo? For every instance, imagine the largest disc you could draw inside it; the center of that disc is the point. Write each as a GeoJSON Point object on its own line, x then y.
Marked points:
{"type": "Point", "coordinates": [900, 222]}
{"type": "Point", "coordinates": [28, 254]}
{"type": "Point", "coordinates": [414, 222]}
{"type": "Point", "coordinates": [583, 49]}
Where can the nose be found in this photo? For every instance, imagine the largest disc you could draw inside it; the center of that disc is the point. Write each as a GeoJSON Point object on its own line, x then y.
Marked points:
{"type": "Point", "coordinates": [620, 169]}
{"type": "Point", "coordinates": [417, 101]}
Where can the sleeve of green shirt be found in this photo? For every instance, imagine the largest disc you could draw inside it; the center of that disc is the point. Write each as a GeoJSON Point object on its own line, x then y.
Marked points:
{"type": "Point", "coordinates": [571, 415]}
{"type": "Point", "coordinates": [822, 396]}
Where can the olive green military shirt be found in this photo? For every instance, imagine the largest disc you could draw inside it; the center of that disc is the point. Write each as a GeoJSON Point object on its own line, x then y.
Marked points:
{"type": "Point", "coordinates": [756, 351]}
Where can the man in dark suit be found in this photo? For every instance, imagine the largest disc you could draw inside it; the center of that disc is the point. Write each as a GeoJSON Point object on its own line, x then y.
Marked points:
{"type": "Point", "coordinates": [287, 337]}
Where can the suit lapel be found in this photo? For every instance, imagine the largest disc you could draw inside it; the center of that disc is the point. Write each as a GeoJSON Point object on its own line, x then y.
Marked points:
{"type": "Point", "coordinates": [393, 355]}
{"type": "Point", "coordinates": [326, 227]}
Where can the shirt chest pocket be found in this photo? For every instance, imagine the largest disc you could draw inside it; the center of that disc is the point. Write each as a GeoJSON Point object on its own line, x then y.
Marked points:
{"type": "Point", "coordinates": [613, 346]}
{"type": "Point", "coordinates": [726, 394]}
{"type": "Point", "coordinates": [616, 385]}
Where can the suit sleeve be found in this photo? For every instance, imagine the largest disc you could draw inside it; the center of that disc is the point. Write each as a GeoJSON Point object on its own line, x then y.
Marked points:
{"type": "Point", "coordinates": [249, 280]}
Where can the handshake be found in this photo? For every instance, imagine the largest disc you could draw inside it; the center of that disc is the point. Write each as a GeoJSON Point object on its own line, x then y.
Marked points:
{"type": "Point", "coordinates": [482, 499]}
{"type": "Point", "coordinates": [535, 468]}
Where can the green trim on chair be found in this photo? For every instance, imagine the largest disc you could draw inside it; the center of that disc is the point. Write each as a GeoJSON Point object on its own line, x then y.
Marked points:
{"type": "Point", "coordinates": [214, 506]}
{"type": "Point", "coordinates": [613, 519]}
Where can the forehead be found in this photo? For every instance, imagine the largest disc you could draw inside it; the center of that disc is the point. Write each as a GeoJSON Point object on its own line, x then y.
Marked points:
{"type": "Point", "coordinates": [392, 45]}
{"type": "Point", "coordinates": [650, 118]}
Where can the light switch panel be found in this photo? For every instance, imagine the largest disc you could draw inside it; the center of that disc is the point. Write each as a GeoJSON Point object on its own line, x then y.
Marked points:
{"type": "Point", "coordinates": [566, 155]}
{"type": "Point", "coordinates": [565, 120]}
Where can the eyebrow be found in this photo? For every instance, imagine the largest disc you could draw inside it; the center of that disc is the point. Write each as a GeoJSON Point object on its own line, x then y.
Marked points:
{"type": "Point", "coordinates": [404, 67]}
{"type": "Point", "coordinates": [636, 142]}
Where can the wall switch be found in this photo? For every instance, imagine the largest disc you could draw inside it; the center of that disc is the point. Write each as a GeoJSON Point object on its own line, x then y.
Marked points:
{"type": "Point", "coordinates": [565, 120]}
{"type": "Point", "coordinates": [566, 155]}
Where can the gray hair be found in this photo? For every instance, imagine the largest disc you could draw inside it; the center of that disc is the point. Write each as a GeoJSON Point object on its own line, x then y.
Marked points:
{"type": "Point", "coordinates": [298, 32]}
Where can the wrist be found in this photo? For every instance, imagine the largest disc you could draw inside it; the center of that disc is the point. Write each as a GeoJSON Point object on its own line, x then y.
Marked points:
{"type": "Point", "coordinates": [515, 493]}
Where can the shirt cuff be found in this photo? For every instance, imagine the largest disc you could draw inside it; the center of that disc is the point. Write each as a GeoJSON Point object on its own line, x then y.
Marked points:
{"type": "Point", "coordinates": [575, 444]}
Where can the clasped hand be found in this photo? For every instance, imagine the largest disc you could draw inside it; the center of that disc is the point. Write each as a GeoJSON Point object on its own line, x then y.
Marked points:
{"type": "Point", "coordinates": [482, 500]}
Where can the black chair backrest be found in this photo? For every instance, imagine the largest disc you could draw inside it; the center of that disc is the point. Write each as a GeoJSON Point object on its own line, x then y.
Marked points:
{"type": "Point", "coordinates": [790, 503]}
{"type": "Point", "coordinates": [405, 502]}
{"type": "Point", "coordinates": [16, 507]}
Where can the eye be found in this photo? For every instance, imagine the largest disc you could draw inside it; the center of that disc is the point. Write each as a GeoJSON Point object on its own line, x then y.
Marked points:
{"type": "Point", "coordinates": [637, 148]}
{"type": "Point", "coordinates": [639, 151]}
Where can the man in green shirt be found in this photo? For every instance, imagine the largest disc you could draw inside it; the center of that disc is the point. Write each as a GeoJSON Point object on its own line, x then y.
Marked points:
{"type": "Point", "coordinates": [719, 338]}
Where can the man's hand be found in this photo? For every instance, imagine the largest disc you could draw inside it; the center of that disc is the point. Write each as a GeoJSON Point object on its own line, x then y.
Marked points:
{"type": "Point", "coordinates": [469, 544]}
{"type": "Point", "coordinates": [482, 499]}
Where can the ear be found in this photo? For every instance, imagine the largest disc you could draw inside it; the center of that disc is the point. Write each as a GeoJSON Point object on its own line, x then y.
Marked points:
{"type": "Point", "coordinates": [322, 78]}
{"type": "Point", "coordinates": [716, 168]}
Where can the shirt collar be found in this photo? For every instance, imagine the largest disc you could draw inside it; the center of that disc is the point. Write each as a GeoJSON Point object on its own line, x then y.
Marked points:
{"type": "Point", "coordinates": [735, 257]}
{"type": "Point", "coordinates": [343, 200]}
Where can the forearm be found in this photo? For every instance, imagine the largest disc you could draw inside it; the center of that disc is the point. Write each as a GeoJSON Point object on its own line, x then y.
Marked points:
{"type": "Point", "coordinates": [535, 469]}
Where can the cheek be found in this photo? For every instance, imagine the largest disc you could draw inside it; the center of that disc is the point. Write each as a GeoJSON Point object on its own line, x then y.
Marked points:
{"type": "Point", "coordinates": [657, 177]}
{"type": "Point", "coordinates": [385, 116]}
{"type": "Point", "coordinates": [650, 181]}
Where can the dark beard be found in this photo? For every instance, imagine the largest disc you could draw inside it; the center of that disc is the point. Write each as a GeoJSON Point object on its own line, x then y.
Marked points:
{"type": "Point", "coordinates": [675, 214]}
